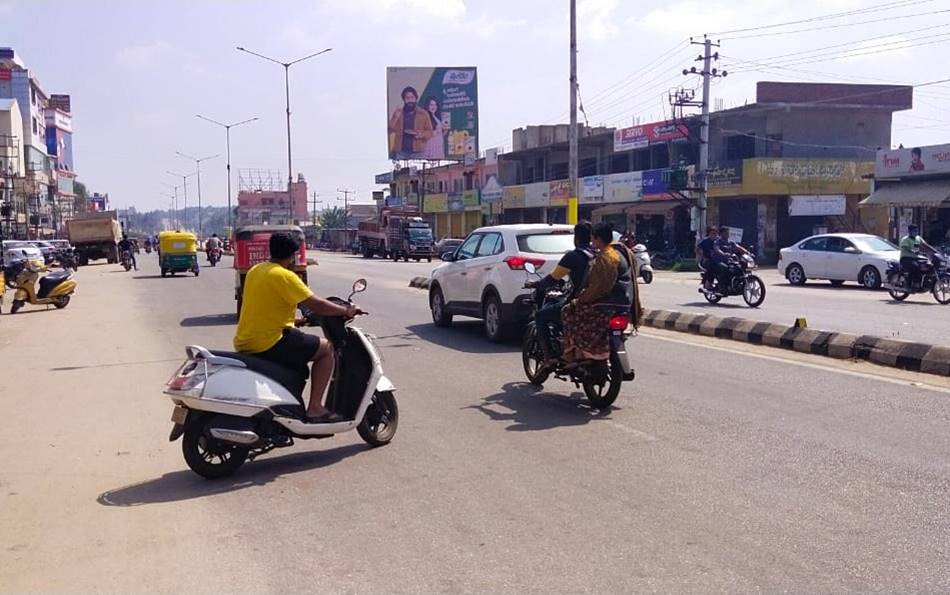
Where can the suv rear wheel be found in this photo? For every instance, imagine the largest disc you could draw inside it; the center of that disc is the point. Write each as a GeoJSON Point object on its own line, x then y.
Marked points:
{"type": "Point", "coordinates": [494, 322]}
{"type": "Point", "coordinates": [437, 304]}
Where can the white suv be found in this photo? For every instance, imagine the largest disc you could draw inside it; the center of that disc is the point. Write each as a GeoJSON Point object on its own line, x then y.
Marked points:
{"type": "Point", "coordinates": [484, 278]}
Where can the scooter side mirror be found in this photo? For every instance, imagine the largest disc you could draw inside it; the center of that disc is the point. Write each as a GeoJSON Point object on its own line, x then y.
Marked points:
{"type": "Point", "coordinates": [359, 286]}
{"type": "Point", "coordinates": [529, 266]}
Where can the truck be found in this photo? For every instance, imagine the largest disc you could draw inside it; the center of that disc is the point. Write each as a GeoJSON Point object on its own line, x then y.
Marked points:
{"type": "Point", "coordinates": [396, 233]}
{"type": "Point", "coordinates": [95, 235]}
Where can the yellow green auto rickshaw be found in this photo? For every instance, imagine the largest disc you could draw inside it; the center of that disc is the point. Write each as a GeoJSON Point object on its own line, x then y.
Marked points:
{"type": "Point", "coordinates": [177, 252]}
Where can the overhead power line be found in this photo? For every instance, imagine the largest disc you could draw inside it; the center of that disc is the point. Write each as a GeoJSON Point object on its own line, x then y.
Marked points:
{"type": "Point", "coordinates": [867, 10]}
{"type": "Point", "coordinates": [854, 53]}
{"type": "Point", "coordinates": [839, 26]}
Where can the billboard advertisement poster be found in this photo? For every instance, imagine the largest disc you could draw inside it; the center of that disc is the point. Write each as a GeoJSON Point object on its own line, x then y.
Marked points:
{"type": "Point", "coordinates": [811, 205]}
{"type": "Point", "coordinates": [637, 137]}
{"type": "Point", "coordinates": [432, 113]}
{"type": "Point", "coordinates": [592, 189]}
{"type": "Point", "coordinates": [625, 187]}
{"type": "Point", "coordinates": [386, 178]}
{"type": "Point", "coordinates": [513, 197]}
{"type": "Point", "coordinates": [492, 191]}
{"type": "Point", "coordinates": [470, 199]}
{"type": "Point", "coordinates": [559, 192]}
{"type": "Point", "coordinates": [537, 195]}
{"type": "Point", "coordinates": [805, 176]}
{"type": "Point", "coordinates": [918, 161]}
{"type": "Point", "coordinates": [436, 203]}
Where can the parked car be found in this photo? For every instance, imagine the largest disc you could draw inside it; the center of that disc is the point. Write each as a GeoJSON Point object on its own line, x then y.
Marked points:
{"type": "Point", "coordinates": [484, 278]}
{"type": "Point", "coordinates": [838, 257]}
{"type": "Point", "coordinates": [16, 250]}
{"type": "Point", "coordinates": [47, 248]}
{"type": "Point", "coordinates": [447, 245]}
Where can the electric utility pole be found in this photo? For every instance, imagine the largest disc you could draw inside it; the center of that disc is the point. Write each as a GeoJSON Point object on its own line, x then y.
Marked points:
{"type": "Point", "coordinates": [572, 132]}
{"type": "Point", "coordinates": [346, 211]}
{"type": "Point", "coordinates": [708, 73]}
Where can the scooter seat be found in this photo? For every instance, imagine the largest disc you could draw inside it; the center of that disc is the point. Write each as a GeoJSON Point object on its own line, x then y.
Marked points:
{"type": "Point", "coordinates": [49, 282]}
{"type": "Point", "coordinates": [291, 379]}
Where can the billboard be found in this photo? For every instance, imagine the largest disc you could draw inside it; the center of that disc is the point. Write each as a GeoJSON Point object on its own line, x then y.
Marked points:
{"type": "Point", "coordinates": [637, 137]}
{"type": "Point", "coordinates": [918, 161]}
{"type": "Point", "coordinates": [805, 176]}
{"type": "Point", "coordinates": [432, 113]}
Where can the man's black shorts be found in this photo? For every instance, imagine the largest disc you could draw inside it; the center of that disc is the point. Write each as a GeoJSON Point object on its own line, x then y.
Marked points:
{"type": "Point", "coordinates": [295, 350]}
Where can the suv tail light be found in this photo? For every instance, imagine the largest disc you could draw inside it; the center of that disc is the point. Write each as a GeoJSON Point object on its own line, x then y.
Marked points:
{"type": "Point", "coordinates": [618, 322]}
{"type": "Point", "coordinates": [516, 263]}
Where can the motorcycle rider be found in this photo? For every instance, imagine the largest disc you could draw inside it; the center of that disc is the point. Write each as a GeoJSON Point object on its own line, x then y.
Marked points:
{"type": "Point", "coordinates": [214, 242]}
{"type": "Point", "coordinates": [573, 265]}
{"type": "Point", "coordinates": [709, 255]}
{"type": "Point", "coordinates": [126, 244]}
{"type": "Point", "coordinates": [910, 246]}
{"type": "Point", "coordinates": [727, 249]}
{"type": "Point", "coordinates": [267, 327]}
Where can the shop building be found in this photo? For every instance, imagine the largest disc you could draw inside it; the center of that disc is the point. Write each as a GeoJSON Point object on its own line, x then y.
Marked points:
{"type": "Point", "coordinates": [913, 186]}
{"type": "Point", "coordinates": [59, 146]}
{"type": "Point", "coordinates": [796, 162]}
{"type": "Point", "coordinates": [263, 199]}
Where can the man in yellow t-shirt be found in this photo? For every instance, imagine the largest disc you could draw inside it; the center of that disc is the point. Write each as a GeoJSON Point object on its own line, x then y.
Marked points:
{"type": "Point", "coordinates": [267, 328]}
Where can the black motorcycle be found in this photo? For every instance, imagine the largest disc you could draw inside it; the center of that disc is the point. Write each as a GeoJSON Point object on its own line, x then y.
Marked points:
{"type": "Point", "coordinates": [67, 259]}
{"type": "Point", "coordinates": [934, 277]}
{"type": "Point", "coordinates": [737, 280]}
{"type": "Point", "coordinates": [601, 380]}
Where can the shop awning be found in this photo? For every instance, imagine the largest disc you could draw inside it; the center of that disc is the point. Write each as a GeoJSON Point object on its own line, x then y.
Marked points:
{"type": "Point", "coordinates": [653, 207]}
{"type": "Point", "coordinates": [930, 193]}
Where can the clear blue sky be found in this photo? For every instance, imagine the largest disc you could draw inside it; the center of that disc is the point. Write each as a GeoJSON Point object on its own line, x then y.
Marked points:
{"type": "Point", "coordinates": [139, 71]}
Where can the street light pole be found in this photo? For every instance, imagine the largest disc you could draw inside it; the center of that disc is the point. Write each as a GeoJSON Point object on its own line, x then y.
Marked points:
{"type": "Point", "coordinates": [184, 185]}
{"type": "Point", "coordinates": [287, 65]}
{"type": "Point", "coordinates": [227, 136]}
{"type": "Point", "coordinates": [198, 161]}
{"type": "Point", "coordinates": [175, 198]}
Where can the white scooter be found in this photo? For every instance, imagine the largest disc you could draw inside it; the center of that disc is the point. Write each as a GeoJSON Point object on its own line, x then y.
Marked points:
{"type": "Point", "coordinates": [232, 406]}
{"type": "Point", "coordinates": [644, 268]}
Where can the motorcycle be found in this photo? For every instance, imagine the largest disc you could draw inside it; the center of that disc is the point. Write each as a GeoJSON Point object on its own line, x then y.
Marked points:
{"type": "Point", "coordinates": [55, 288]}
{"type": "Point", "coordinates": [67, 259]}
{"type": "Point", "coordinates": [934, 277]}
{"type": "Point", "coordinates": [148, 248]}
{"type": "Point", "coordinates": [740, 281]}
{"type": "Point", "coordinates": [230, 407]}
{"type": "Point", "coordinates": [126, 260]}
{"type": "Point", "coordinates": [643, 265]}
{"type": "Point", "coordinates": [601, 380]}
{"type": "Point", "coordinates": [214, 256]}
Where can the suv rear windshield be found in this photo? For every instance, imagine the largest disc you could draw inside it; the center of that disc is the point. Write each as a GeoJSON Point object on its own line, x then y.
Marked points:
{"type": "Point", "coordinates": [546, 243]}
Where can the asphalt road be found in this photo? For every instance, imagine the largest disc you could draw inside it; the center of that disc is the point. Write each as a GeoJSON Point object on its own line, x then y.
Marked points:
{"type": "Point", "coordinates": [718, 470]}
{"type": "Point", "coordinates": [849, 308]}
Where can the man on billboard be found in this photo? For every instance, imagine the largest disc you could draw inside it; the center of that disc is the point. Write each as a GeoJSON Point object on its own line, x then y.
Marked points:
{"type": "Point", "coordinates": [916, 163]}
{"type": "Point", "coordinates": [410, 128]}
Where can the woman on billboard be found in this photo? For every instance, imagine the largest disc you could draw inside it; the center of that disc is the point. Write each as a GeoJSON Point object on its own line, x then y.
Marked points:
{"type": "Point", "coordinates": [435, 146]}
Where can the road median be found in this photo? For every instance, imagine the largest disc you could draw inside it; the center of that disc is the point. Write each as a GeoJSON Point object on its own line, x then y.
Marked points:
{"type": "Point", "coordinates": [906, 355]}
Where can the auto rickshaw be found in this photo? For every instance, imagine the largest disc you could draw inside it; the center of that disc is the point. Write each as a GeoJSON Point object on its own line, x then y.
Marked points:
{"type": "Point", "coordinates": [252, 245]}
{"type": "Point", "coordinates": [177, 252]}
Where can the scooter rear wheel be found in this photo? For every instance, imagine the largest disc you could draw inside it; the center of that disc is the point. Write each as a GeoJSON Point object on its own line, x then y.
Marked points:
{"type": "Point", "coordinates": [15, 307]}
{"type": "Point", "coordinates": [208, 457]}
{"type": "Point", "coordinates": [61, 302]}
{"type": "Point", "coordinates": [380, 420]}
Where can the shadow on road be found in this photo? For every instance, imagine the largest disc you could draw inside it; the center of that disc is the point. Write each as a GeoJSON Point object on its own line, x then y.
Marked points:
{"type": "Point", "coordinates": [185, 485]}
{"type": "Point", "coordinates": [908, 302]}
{"type": "Point", "coordinates": [530, 410]}
{"type": "Point", "coordinates": [741, 306]}
{"type": "Point", "coordinates": [179, 276]}
{"type": "Point", "coordinates": [466, 336]}
{"type": "Point", "coordinates": [210, 320]}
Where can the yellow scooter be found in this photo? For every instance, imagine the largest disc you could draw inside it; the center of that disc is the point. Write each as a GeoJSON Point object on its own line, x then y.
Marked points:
{"type": "Point", "coordinates": [55, 288]}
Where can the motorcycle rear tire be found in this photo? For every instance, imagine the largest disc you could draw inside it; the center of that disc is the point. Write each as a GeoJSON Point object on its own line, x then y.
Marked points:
{"type": "Point", "coordinates": [532, 357]}
{"type": "Point", "coordinates": [712, 298]}
{"type": "Point", "coordinates": [192, 447]}
{"type": "Point", "coordinates": [897, 294]}
{"type": "Point", "coordinates": [603, 398]}
{"type": "Point", "coordinates": [368, 429]}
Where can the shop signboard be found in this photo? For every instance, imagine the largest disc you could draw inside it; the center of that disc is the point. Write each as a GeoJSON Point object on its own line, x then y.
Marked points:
{"type": "Point", "coordinates": [805, 176]}
{"type": "Point", "coordinates": [637, 137]}
{"type": "Point", "coordinates": [592, 190]}
{"type": "Point", "coordinates": [735, 234]}
{"type": "Point", "coordinates": [654, 186]}
{"type": "Point", "coordinates": [917, 161]}
{"type": "Point", "coordinates": [492, 191]}
{"type": "Point", "coordinates": [625, 187]}
{"type": "Point", "coordinates": [436, 203]}
{"type": "Point", "coordinates": [386, 178]}
{"type": "Point", "coordinates": [456, 202]}
{"type": "Point", "coordinates": [470, 199]}
{"type": "Point", "coordinates": [537, 195]}
{"type": "Point", "coordinates": [812, 205]}
{"type": "Point", "coordinates": [560, 191]}
{"type": "Point", "coordinates": [513, 197]}
{"type": "Point", "coordinates": [432, 113]}
{"type": "Point", "coordinates": [726, 173]}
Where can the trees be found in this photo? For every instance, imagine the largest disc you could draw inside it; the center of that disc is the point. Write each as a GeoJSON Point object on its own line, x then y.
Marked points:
{"type": "Point", "coordinates": [333, 218]}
